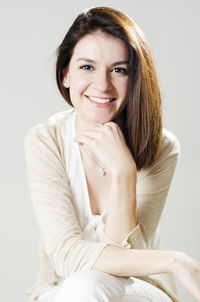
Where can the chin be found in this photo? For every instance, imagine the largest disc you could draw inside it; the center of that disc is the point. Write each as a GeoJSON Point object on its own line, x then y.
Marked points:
{"type": "Point", "coordinates": [98, 119]}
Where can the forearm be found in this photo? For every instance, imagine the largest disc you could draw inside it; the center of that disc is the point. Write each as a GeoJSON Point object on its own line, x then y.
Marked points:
{"type": "Point", "coordinates": [124, 262]}
{"type": "Point", "coordinates": [121, 217]}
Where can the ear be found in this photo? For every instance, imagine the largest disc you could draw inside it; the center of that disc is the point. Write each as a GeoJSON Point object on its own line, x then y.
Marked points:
{"type": "Point", "coordinates": [65, 80]}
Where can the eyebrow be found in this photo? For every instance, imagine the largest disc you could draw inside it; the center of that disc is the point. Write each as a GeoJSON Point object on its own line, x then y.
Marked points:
{"type": "Point", "coordinates": [113, 64]}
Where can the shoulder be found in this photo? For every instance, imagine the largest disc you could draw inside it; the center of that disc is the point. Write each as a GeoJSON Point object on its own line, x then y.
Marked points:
{"type": "Point", "coordinates": [170, 145]}
{"type": "Point", "coordinates": [168, 155]}
{"type": "Point", "coordinates": [167, 158]}
{"type": "Point", "coordinates": [44, 144]}
{"type": "Point", "coordinates": [51, 129]}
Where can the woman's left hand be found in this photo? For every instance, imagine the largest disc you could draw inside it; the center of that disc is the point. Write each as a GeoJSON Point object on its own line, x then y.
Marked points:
{"type": "Point", "coordinates": [106, 146]}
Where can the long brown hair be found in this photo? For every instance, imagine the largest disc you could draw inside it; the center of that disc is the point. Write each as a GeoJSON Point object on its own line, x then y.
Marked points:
{"type": "Point", "coordinates": [140, 121]}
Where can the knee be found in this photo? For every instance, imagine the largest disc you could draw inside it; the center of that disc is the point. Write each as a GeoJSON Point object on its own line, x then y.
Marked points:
{"type": "Point", "coordinates": [85, 278]}
{"type": "Point", "coordinates": [83, 286]}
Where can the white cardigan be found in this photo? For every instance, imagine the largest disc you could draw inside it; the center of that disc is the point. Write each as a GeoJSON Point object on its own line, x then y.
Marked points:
{"type": "Point", "coordinates": [68, 241]}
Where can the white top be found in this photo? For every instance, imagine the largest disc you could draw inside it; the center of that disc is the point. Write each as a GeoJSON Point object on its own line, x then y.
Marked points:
{"type": "Point", "coordinates": [91, 225]}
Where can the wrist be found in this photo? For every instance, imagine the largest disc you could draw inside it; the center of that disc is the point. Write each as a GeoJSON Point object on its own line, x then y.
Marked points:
{"type": "Point", "coordinates": [124, 182]}
{"type": "Point", "coordinates": [128, 171]}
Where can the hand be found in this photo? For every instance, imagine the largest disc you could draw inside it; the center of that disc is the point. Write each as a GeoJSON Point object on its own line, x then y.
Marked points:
{"type": "Point", "coordinates": [106, 146]}
{"type": "Point", "coordinates": [188, 272]}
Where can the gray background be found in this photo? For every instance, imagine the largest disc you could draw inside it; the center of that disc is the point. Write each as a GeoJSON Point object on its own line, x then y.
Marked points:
{"type": "Point", "coordinates": [30, 33]}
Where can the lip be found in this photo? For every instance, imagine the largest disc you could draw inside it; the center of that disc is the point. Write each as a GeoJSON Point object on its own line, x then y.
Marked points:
{"type": "Point", "coordinates": [99, 104]}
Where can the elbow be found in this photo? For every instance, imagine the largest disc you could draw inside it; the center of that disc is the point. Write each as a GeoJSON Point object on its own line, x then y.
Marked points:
{"type": "Point", "coordinates": [65, 258]}
{"type": "Point", "coordinates": [81, 254]}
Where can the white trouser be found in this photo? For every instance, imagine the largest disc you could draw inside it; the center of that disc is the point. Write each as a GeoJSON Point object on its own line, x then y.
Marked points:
{"type": "Point", "coordinates": [95, 286]}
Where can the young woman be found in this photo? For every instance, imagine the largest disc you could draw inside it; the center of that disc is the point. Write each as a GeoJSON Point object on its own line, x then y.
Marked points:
{"type": "Point", "coordinates": [99, 173]}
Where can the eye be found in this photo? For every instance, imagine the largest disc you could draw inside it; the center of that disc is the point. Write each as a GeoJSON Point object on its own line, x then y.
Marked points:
{"type": "Point", "coordinates": [86, 67]}
{"type": "Point", "coordinates": [120, 70]}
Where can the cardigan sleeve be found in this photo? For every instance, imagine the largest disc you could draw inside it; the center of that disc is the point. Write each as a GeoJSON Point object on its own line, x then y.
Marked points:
{"type": "Point", "coordinates": [153, 185]}
{"type": "Point", "coordinates": [64, 243]}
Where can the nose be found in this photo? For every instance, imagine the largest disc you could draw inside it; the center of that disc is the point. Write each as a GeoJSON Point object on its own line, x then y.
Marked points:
{"type": "Point", "coordinates": [102, 81]}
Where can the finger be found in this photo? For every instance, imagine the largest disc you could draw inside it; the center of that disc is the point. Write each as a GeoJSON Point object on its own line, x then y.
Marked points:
{"type": "Point", "coordinates": [111, 124]}
{"type": "Point", "coordinates": [88, 151]}
{"type": "Point", "coordinates": [90, 134]}
{"type": "Point", "coordinates": [115, 127]}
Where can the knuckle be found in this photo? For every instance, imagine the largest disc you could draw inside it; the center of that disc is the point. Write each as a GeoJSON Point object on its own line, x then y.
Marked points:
{"type": "Point", "coordinates": [112, 124]}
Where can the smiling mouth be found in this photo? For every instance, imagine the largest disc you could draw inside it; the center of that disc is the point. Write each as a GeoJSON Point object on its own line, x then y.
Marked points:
{"type": "Point", "coordinates": [100, 100]}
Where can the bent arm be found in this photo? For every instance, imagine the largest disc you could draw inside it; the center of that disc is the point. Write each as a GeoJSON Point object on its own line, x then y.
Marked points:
{"type": "Point", "coordinates": [152, 188]}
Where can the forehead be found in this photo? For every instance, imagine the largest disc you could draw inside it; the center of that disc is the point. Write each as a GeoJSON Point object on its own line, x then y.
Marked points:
{"type": "Point", "coordinates": [98, 45]}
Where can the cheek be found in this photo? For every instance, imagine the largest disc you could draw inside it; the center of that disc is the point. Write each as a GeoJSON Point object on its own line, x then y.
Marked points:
{"type": "Point", "coordinates": [78, 84]}
{"type": "Point", "coordinates": [122, 87]}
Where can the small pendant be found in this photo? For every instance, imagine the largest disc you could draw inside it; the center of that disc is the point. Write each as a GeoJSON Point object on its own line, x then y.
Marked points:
{"type": "Point", "coordinates": [101, 171]}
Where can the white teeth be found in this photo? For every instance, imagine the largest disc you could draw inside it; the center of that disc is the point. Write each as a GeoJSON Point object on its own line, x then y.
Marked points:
{"type": "Point", "coordinates": [98, 100]}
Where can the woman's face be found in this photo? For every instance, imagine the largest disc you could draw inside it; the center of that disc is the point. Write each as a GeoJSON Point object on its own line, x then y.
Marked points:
{"type": "Point", "coordinates": [97, 76]}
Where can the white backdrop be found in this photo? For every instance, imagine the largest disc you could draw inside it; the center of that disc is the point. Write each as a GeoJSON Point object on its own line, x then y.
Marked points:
{"type": "Point", "coordinates": [30, 32]}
